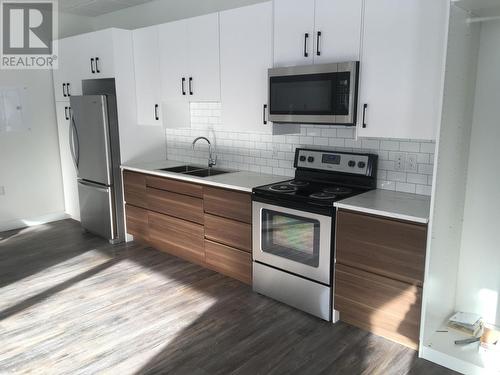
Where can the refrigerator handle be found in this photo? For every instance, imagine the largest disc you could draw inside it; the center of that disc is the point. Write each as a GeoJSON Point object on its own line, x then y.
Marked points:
{"type": "Point", "coordinates": [73, 140]}
{"type": "Point", "coordinates": [99, 187]}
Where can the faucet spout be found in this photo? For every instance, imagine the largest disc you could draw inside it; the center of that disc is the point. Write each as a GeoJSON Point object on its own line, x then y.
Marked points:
{"type": "Point", "coordinates": [212, 159]}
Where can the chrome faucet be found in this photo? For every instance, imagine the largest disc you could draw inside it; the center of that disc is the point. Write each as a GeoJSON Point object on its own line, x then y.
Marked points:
{"type": "Point", "coordinates": [212, 159]}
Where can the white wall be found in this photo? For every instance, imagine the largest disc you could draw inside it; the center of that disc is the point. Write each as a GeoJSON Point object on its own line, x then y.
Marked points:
{"type": "Point", "coordinates": [71, 24]}
{"type": "Point", "coordinates": [450, 174]}
{"type": "Point", "coordinates": [160, 11]}
{"type": "Point", "coordinates": [479, 272]}
{"type": "Point", "coordinates": [29, 160]}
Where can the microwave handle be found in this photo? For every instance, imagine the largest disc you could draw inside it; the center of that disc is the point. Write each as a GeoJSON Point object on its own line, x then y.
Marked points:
{"type": "Point", "coordinates": [365, 106]}
{"type": "Point", "coordinates": [264, 121]}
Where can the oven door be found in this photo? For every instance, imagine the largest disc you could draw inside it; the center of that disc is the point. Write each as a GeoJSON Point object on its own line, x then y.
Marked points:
{"type": "Point", "coordinates": [291, 240]}
{"type": "Point", "coordinates": [319, 94]}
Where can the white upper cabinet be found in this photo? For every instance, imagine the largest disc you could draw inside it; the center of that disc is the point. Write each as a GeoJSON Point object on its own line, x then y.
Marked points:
{"type": "Point", "coordinates": [147, 75]}
{"type": "Point", "coordinates": [402, 68]}
{"type": "Point", "coordinates": [189, 59]}
{"type": "Point", "coordinates": [316, 31]}
{"type": "Point", "coordinates": [293, 32]}
{"type": "Point", "coordinates": [173, 51]}
{"type": "Point", "coordinates": [337, 31]}
{"type": "Point", "coordinates": [68, 76]}
{"type": "Point", "coordinates": [99, 49]}
{"type": "Point", "coordinates": [245, 56]}
{"type": "Point", "coordinates": [203, 58]}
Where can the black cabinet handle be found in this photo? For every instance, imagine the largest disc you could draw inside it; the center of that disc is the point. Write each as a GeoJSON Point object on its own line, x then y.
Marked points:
{"type": "Point", "coordinates": [190, 85]}
{"type": "Point", "coordinates": [264, 114]}
{"type": "Point", "coordinates": [318, 38]}
{"type": "Point", "coordinates": [66, 113]}
{"type": "Point", "coordinates": [183, 80]}
{"type": "Point", "coordinates": [306, 36]}
{"type": "Point", "coordinates": [97, 65]}
{"type": "Point", "coordinates": [364, 114]}
{"type": "Point", "coordinates": [64, 90]}
{"type": "Point", "coordinates": [92, 65]}
{"type": "Point", "coordinates": [157, 117]}
{"type": "Point", "coordinates": [68, 93]}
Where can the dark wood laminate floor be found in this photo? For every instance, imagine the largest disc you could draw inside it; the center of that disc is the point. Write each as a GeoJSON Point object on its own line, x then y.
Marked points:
{"type": "Point", "coordinates": [72, 304]}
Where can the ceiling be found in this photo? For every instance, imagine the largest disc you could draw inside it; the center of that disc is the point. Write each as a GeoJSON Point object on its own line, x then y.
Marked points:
{"type": "Point", "coordinates": [480, 8]}
{"type": "Point", "coordinates": [93, 8]}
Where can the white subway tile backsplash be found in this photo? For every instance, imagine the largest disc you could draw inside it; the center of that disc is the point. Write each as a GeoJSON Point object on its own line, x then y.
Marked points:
{"type": "Point", "coordinates": [266, 153]}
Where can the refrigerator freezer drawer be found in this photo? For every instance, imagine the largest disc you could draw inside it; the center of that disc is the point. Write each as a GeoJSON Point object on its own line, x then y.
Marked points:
{"type": "Point", "coordinates": [96, 209]}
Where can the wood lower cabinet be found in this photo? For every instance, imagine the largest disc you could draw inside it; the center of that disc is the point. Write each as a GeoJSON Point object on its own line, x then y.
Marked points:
{"type": "Point", "coordinates": [229, 261]}
{"type": "Point", "coordinates": [134, 188]}
{"type": "Point", "coordinates": [379, 275]}
{"type": "Point", "coordinates": [204, 225]}
{"type": "Point", "coordinates": [177, 237]}
{"type": "Point", "coordinates": [173, 204]}
{"type": "Point", "coordinates": [229, 204]}
{"type": "Point", "coordinates": [228, 232]}
{"type": "Point", "coordinates": [137, 222]}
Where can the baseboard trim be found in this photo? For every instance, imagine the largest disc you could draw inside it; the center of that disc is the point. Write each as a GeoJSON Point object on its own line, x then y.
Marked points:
{"type": "Point", "coordinates": [29, 222]}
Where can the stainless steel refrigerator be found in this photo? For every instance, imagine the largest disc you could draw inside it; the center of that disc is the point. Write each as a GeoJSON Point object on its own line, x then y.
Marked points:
{"type": "Point", "coordinates": [95, 148]}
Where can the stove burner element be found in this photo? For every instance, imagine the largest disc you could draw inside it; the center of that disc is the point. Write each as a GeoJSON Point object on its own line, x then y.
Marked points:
{"type": "Point", "coordinates": [298, 183]}
{"type": "Point", "coordinates": [339, 190]}
{"type": "Point", "coordinates": [283, 188]}
{"type": "Point", "coordinates": [322, 195]}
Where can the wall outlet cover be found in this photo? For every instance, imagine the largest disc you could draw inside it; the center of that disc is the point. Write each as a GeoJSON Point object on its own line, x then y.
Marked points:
{"type": "Point", "coordinates": [400, 161]}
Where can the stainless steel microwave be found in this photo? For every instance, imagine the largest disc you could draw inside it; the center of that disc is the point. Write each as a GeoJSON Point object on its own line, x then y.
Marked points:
{"type": "Point", "coordinates": [314, 94]}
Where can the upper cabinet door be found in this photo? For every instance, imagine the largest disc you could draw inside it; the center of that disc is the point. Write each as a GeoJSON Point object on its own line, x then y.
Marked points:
{"type": "Point", "coordinates": [97, 48]}
{"type": "Point", "coordinates": [337, 30]}
{"type": "Point", "coordinates": [402, 59]}
{"type": "Point", "coordinates": [203, 82]}
{"type": "Point", "coordinates": [246, 54]}
{"type": "Point", "coordinates": [68, 76]}
{"type": "Point", "coordinates": [147, 75]}
{"type": "Point", "coordinates": [173, 48]}
{"type": "Point", "coordinates": [293, 32]}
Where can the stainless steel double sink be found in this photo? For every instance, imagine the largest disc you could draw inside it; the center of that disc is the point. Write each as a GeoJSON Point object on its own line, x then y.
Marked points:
{"type": "Point", "coordinates": [195, 170]}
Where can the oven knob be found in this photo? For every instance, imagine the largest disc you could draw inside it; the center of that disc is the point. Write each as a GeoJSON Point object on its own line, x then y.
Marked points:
{"type": "Point", "coordinates": [351, 163]}
{"type": "Point", "coordinates": [302, 158]}
{"type": "Point", "coordinates": [361, 164]}
{"type": "Point", "coordinates": [310, 159]}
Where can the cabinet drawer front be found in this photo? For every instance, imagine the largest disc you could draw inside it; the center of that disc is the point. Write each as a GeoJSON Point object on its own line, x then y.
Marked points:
{"type": "Point", "coordinates": [137, 222]}
{"type": "Point", "coordinates": [177, 205]}
{"type": "Point", "coordinates": [229, 232]}
{"type": "Point", "coordinates": [378, 304]}
{"type": "Point", "coordinates": [134, 185]}
{"type": "Point", "coordinates": [178, 237]}
{"type": "Point", "coordinates": [175, 186]}
{"type": "Point", "coordinates": [229, 204]}
{"type": "Point", "coordinates": [229, 261]}
{"type": "Point", "coordinates": [386, 247]}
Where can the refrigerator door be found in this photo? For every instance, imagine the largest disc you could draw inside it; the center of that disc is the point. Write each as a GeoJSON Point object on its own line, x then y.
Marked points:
{"type": "Point", "coordinates": [89, 138]}
{"type": "Point", "coordinates": [96, 209]}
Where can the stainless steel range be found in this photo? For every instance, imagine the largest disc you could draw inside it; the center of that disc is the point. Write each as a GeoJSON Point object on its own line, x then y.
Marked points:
{"type": "Point", "coordinates": [294, 227]}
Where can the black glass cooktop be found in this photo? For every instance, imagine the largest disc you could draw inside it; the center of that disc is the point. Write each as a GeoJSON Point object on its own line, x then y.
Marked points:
{"type": "Point", "coordinates": [307, 191]}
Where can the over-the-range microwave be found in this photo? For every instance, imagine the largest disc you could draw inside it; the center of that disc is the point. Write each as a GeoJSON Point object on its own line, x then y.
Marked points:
{"type": "Point", "coordinates": [314, 94]}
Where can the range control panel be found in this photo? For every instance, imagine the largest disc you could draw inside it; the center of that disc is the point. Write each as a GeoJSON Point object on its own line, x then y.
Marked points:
{"type": "Point", "coordinates": [333, 161]}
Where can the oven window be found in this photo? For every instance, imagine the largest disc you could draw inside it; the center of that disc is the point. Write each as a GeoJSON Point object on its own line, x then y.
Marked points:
{"type": "Point", "coordinates": [310, 94]}
{"type": "Point", "coordinates": [292, 237]}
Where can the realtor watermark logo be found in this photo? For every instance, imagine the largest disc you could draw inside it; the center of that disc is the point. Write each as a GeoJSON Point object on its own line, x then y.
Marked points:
{"type": "Point", "coordinates": [28, 34]}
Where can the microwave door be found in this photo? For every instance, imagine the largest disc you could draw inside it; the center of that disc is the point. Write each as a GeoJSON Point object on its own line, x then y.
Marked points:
{"type": "Point", "coordinates": [345, 94]}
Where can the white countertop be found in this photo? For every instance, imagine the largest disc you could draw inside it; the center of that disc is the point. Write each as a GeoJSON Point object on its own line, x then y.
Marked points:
{"type": "Point", "coordinates": [403, 206]}
{"type": "Point", "coordinates": [238, 180]}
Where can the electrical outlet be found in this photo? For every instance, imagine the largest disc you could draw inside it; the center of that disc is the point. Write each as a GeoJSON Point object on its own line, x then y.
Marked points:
{"type": "Point", "coordinates": [2, 190]}
{"type": "Point", "coordinates": [276, 149]}
{"type": "Point", "coordinates": [399, 162]}
{"type": "Point", "coordinates": [411, 163]}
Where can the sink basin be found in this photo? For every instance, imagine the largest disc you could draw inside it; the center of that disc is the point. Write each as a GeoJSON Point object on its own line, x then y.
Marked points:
{"type": "Point", "coordinates": [207, 172]}
{"type": "Point", "coordinates": [182, 168]}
